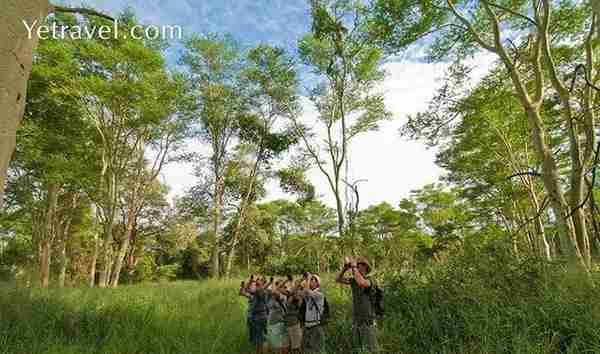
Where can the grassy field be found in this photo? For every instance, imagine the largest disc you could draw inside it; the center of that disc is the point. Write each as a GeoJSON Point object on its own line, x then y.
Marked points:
{"type": "Point", "coordinates": [177, 317]}
{"type": "Point", "coordinates": [181, 317]}
{"type": "Point", "coordinates": [504, 308]}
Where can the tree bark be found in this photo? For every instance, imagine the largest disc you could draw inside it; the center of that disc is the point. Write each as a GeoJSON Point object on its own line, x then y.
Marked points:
{"type": "Point", "coordinates": [48, 235]}
{"type": "Point", "coordinates": [109, 221]}
{"type": "Point", "coordinates": [542, 244]}
{"type": "Point", "coordinates": [552, 184]}
{"type": "Point", "coordinates": [94, 261]}
{"type": "Point", "coordinates": [16, 58]}
{"type": "Point", "coordinates": [64, 227]}
{"type": "Point", "coordinates": [243, 208]}
{"type": "Point", "coordinates": [219, 191]}
{"type": "Point", "coordinates": [62, 274]}
{"type": "Point", "coordinates": [121, 255]}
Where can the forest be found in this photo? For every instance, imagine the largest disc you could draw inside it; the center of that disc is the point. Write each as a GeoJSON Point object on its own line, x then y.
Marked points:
{"type": "Point", "coordinates": [500, 255]}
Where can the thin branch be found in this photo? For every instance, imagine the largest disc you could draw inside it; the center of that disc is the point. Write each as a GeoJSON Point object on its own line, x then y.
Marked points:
{"type": "Point", "coordinates": [585, 77]}
{"type": "Point", "coordinates": [539, 213]}
{"type": "Point", "coordinates": [471, 28]}
{"type": "Point", "coordinates": [530, 173]}
{"type": "Point", "coordinates": [526, 18]}
{"type": "Point", "coordinates": [82, 11]}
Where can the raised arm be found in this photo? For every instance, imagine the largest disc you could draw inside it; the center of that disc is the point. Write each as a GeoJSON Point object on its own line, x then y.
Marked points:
{"type": "Point", "coordinates": [269, 283]}
{"type": "Point", "coordinates": [360, 279]}
{"type": "Point", "coordinates": [244, 291]}
{"type": "Point", "coordinates": [340, 279]}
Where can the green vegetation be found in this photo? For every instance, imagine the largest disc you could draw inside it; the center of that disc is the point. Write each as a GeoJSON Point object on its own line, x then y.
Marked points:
{"type": "Point", "coordinates": [149, 318]}
{"type": "Point", "coordinates": [498, 256]}
{"type": "Point", "coordinates": [495, 305]}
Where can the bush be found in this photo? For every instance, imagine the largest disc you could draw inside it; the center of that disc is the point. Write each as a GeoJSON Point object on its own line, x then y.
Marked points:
{"type": "Point", "coordinates": [290, 265]}
{"type": "Point", "coordinates": [487, 301]}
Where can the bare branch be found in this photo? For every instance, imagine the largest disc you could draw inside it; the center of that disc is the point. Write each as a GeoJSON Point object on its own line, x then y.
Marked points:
{"type": "Point", "coordinates": [470, 27]}
{"type": "Point", "coordinates": [82, 11]}
{"type": "Point", "coordinates": [529, 173]}
{"type": "Point", "coordinates": [512, 12]}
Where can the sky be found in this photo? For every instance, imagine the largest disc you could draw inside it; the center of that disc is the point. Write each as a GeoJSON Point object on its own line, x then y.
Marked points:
{"type": "Point", "coordinates": [391, 165]}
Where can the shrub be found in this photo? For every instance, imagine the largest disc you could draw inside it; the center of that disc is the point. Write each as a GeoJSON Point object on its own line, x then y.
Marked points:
{"type": "Point", "coordinates": [290, 265]}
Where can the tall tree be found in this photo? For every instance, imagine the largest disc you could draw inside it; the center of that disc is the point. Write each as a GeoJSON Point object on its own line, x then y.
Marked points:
{"type": "Point", "coordinates": [536, 42]}
{"type": "Point", "coordinates": [156, 149]}
{"type": "Point", "coordinates": [126, 92]}
{"type": "Point", "coordinates": [54, 148]}
{"type": "Point", "coordinates": [348, 66]}
{"type": "Point", "coordinates": [271, 87]}
{"type": "Point", "coordinates": [18, 44]}
{"type": "Point", "coordinates": [214, 64]}
{"type": "Point", "coordinates": [485, 146]}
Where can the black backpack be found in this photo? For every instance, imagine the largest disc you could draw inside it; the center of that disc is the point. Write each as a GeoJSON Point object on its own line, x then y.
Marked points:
{"type": "Point", "coordinates": [376, 297]}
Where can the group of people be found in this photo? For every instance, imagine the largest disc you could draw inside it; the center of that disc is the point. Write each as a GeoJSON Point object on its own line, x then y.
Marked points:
{"type": "Point", "coordinates": [289, 315]}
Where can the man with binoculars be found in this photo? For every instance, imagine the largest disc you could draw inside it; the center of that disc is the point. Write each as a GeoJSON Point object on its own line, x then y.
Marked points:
{"type": "Point", "coordinates": [363, 312]}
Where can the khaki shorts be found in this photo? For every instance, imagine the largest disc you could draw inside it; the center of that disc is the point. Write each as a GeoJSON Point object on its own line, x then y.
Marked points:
{"type": "Point", "coordinates": [295, 334]}
{"type": "Point", "coordinates": [277, 336]}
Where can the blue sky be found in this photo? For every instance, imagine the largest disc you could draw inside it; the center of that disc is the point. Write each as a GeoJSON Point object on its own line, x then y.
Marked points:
{"type": "Point", "coordinates": [277, 22]}
{"type": "Point", "coordinates": [391, 165]}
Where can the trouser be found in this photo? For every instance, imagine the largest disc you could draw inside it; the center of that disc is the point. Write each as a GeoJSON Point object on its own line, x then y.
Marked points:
{"type": "Point", "coordinates": [314, 339]}
{"type": "Point", "coordinates": [364, 337]}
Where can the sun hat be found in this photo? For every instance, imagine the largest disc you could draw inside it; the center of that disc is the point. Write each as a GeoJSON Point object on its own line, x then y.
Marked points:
{"type": "Point", "coordinates": [364, 261]}
{"type": "Point", "coordinates": [317, 278]}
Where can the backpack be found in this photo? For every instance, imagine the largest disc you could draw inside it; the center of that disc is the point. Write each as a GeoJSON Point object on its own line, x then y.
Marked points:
{"type": "Point", "coordinates": [263, 308]}
{"type": "Point", "coordinates": [304, 307]}
{"type": "Point", "coordinates": [376, 297]}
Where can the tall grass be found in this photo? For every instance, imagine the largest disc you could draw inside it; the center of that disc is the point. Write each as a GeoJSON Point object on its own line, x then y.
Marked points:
{"type": "Point", "coordinates": [182, 317]}
{"type": "Point", "coordinates": [494, 304]}
{"type": "Point", "coordinates": [491, 305]}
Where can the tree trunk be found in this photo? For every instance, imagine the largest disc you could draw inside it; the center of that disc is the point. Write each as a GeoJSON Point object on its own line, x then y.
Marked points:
{"type": "Point", "coordinates": [340, 210]}
{"type": "Point", "coordinates": [103, 277]}
{"type": "Point", "coordinates": [542, 244]}
{"type": "Point", "coordinates": [16, 57]}
{"type": "Point", "coordinates": [109, 221]}
{"type": "Point", "coordinates": [553, 187]}
{"type": "Point", "coordinates": [234, 242]}
{"type": "Point", "coordinates": [121, 255]}
{"type": "Point", "coordinates": [62, 274]}
{"type": "Point", "coordinates": [109, 267]}
{"type": "Point", "coordinates": [94, 260]}
{"type": "Point", "coordinates": [219, 186]}
{"type": "Point", "coordinates": [230, 258]}
{"type": "Point", "coordinates": [65, 230]}
{"type": "Point", "coordinates": [48, 235]}
{"type": "Point", "coordinates": [45, 263]}
{"type": "Point", "coordinates": [242, 213]}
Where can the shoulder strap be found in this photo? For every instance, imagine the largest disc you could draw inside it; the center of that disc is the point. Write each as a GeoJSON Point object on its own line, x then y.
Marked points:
{"type": "Point", "coordinates": [280, 303]}
{"type": "Point", "coordinates": [314, 305]}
